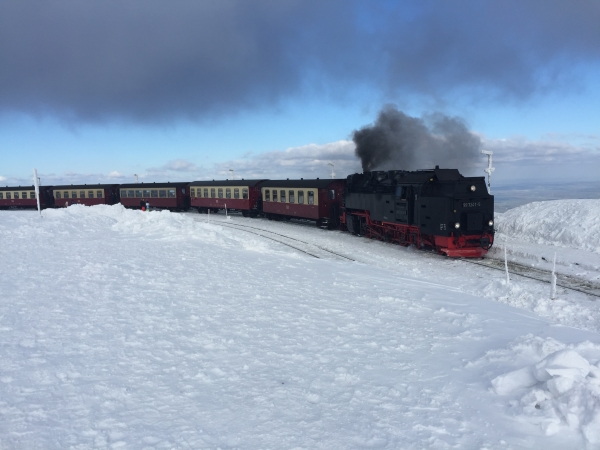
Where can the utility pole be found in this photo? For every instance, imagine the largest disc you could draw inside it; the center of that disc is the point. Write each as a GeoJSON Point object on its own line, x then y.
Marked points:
{"type": "Point", "coordinates": [332, 172]}
{"type": "Point", "coordinates": [489, 168]}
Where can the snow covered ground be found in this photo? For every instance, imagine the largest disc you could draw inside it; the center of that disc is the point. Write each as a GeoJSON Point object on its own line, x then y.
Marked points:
{"type": "Point", "coordinates": [123, 329]}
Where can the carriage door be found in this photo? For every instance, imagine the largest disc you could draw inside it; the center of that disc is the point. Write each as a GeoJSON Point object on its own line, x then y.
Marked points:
{"type": "Point", "coordinates": [403, 210]}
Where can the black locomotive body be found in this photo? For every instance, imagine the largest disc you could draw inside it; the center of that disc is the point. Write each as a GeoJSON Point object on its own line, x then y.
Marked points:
{"type": "Point", "coordinates": [438, 209]}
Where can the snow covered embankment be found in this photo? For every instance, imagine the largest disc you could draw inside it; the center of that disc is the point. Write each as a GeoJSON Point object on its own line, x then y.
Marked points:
{"type": "Point", "coordinates": [565, 223]}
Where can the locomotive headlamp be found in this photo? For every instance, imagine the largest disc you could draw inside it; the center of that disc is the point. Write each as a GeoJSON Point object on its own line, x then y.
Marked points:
{"type": "Point", "coordinates": [457, 225]}
{"type": "Point", "coordinates": [473, 188]}
{"type": "Point", "coordinates": [491, 223]}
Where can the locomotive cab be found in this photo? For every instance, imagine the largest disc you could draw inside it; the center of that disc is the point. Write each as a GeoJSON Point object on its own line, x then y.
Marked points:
{"type": "Point", "coordinates": [404, 204]}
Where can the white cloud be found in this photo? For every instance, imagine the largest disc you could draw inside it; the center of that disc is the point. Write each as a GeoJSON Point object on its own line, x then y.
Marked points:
{"type": "Point", "coordinates": [543, 160]}
{"type": "Point", "coordinates": [174, 170]}
{"type": "Point", "coordinates": [551, 159]}
{"type": "Point", "coordinates": [307, 161]}
{"type": "Point", "coordinates": [180, 165]}
{"type": "Point", "coordinates": [521, 149]}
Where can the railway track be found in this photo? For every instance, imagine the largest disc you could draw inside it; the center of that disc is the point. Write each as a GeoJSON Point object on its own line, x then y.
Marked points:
{"type": "Point", "coordinates": [316, 251]}
{"type": "Point", "coordinates": [569, 282]}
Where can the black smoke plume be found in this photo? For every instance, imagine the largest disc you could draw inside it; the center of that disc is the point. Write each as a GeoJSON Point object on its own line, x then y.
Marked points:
{"type": "Point", "coordinates": [399, 141]}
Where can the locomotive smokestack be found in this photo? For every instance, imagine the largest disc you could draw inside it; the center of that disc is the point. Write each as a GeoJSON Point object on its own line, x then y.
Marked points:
{"type": "Point", "coordinates": [399, 141]}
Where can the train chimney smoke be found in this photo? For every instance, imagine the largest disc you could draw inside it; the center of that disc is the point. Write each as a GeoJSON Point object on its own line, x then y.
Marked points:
{"type": "Point", "coordinates": [399, 141]}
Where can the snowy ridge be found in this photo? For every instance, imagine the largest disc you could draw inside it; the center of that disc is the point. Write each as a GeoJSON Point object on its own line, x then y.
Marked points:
{"type": "Point", "coordinates": [162, 225]}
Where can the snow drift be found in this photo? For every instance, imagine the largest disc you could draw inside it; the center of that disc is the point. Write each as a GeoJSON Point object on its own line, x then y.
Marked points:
{"type": "Point", "coordinates": [560, 391]}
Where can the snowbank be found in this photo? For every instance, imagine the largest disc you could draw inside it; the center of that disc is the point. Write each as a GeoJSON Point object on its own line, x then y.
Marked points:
{"type": "Point", "coordinates": [560, 391]}
{"type": "Point", "coordinates": [565, 223]}
{"type": "Point", "coordinates": [152, 224]}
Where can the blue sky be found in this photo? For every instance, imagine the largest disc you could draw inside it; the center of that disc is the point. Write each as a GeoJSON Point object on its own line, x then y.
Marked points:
{"type": "Point", "coordinates": [99, 91]}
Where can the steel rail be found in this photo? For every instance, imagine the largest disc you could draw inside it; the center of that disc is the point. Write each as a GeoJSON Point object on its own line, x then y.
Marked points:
{"type": "Point", "coordinates": [243, 228]}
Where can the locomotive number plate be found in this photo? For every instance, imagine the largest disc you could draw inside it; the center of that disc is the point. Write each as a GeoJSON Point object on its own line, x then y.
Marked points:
{"type": "Point", "coordinates": [471, 205]}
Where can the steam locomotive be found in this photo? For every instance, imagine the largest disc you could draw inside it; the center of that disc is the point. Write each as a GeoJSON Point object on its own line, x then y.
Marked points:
{"type": "Point", "coordinates": [435, 209]}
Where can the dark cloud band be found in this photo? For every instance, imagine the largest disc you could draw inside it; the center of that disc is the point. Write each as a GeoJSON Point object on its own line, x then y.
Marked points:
{"type": "Point", "coordinates": [155, 61]}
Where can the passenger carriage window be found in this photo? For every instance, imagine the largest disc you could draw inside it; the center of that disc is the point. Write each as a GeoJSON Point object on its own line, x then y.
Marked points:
{"type": "Point", "coordinates": [73, 194]}
{"type": "Point", "coordinates": [130, 194]}
{"type": "Point", "coordinates": [274, 195]}
{"type": "Point", "coordinates": [300, 197]}
{"type": "Point", "coordinates": [171, 193]}
{"type": "Point", "coordinates": [220, 191]}
{"type": "Point", "coordinates": [1, 196]}
{"type": "Point", "coordinates": [154, 194]}
{"type": "Point", "coordinates": [24, 195]}
{"type": "Point", "coordinates": [8, 196]}
{"type": "Point", "coordinates": [32, 195]}
{"type": "Point", "coordinates": [16, 195]}
{"type": "Point", "coordinates": [56, 194]}
{"type": "Point", "coordinates": [81, 194]}
{"type": "Point", "coordinates": [236, 193]}
{"type": "Point", "coordinates": [146, 194]}
{"type": "Point", "coordinates": [66, 194]}
{"type": "Point", "coordinates": [282, 196]}
{"type": "Point", "coordinates": [206, 193]}
{"type": "Point", "coordinates": [162, 193]}
{"type": "Point", "coordinates": [213, 193]}
{"type": "Point", "coordinates": [245, 194]}
{"type": "Point", "coordinates": [98, 194]}
{"type": "Point", "coordinates": [228, 193]}
{"type": "Point", "coordinates": [183, 191]}
{"type": "Point", "coordinates": [123, 194]}
{"type": "Point", "coordinates": [91, 194]}
{"type": "Point", "coordinates": [192, 192]}
{"type": "Point", "coordinates": [311, 198]}
{"type": "Point", "coordinates": [291, 196]}
{"type": "Point", "coordinates": [138, 194]}
{"type": "Point", "coordinates": [267, 195]}
{"type": "Point", "coordinates": [331, 194]}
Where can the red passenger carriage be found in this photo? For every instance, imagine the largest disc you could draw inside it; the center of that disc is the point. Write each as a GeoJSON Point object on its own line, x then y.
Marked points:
{"type": "Point", "coordinates": [318, 200]}
{"type": "Point", "coordinates": [85, 194]}
{"type": "Point", "coordinates": [236, 195]}
{"type": "Point", "coordinates": [23, 197]}
{"type": "Point", "coordinates": [171, 196]}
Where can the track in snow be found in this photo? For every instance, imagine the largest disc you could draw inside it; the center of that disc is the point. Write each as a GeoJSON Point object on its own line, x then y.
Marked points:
{"type": "Point", "coordinates": [565, 281]}
{"type": "Point", "coordinates": [316, 251]}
